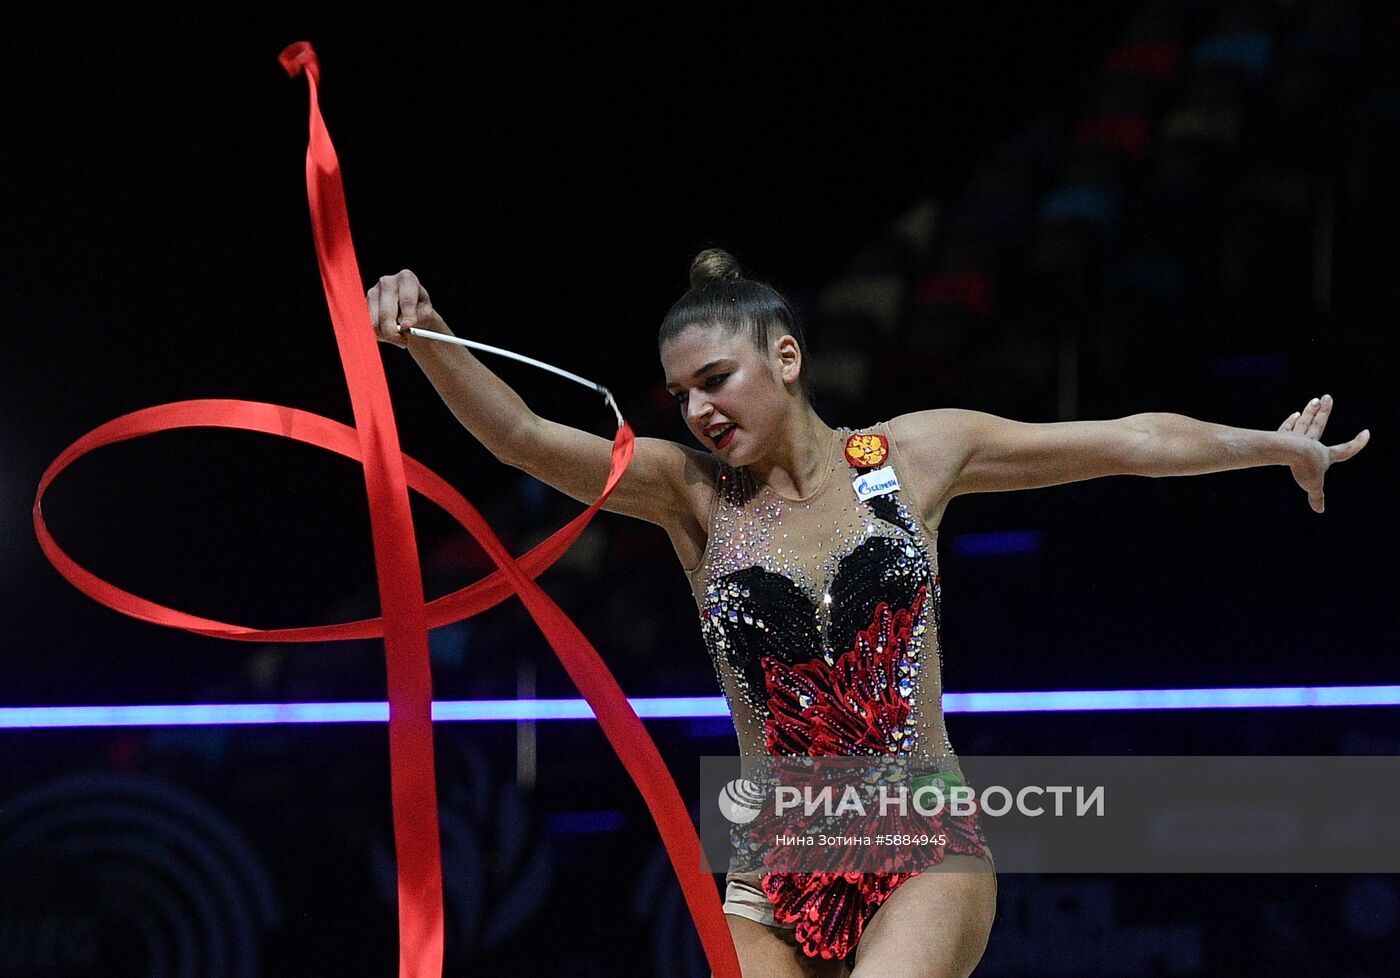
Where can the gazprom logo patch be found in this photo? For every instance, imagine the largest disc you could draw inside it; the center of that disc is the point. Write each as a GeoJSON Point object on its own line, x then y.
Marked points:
{"type": "Point", "coordinates": [877, 483]}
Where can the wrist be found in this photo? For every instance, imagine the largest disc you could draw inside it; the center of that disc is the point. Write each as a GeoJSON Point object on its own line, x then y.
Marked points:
{"type": "Point", "coordinates": [416, 344]}
{"type": "Point", "coordinates": [1290, 449]}
{"type": "Point", "coordinates": [1250, 447]}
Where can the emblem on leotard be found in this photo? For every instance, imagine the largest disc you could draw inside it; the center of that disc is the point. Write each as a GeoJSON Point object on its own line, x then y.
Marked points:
{"type": "Point", "coordinates": [881, 482]}
{"type": "Point", "coordinates": [867, 451]}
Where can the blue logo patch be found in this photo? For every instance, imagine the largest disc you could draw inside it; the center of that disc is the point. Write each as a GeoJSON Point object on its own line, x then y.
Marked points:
{"type": "Point", "coordinates": [877, 483]}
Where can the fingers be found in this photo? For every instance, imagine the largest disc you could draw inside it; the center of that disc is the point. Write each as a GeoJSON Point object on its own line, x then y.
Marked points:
{"type": "Point", "coordinates": [395, 303]}
{"type": "Point", "coordinates": [1344, 451]}
{"type": "Point", "coordinates": [372, 300]}
{"type": "Point", "coordinates": [1321, 411]}
{"type": "Point", "coordinates": [408, 290]}
{"type": "Point", "coordinates": [386, 317]}
{"type": "Point", "coordinates": [1310, 421]}
{"type": "Point", "coordinates": [1304, 419]}
{"type": "Point", "coordinates": [1338, 453]}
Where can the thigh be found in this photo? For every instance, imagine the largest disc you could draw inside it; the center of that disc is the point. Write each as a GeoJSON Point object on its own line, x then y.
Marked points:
{"type": "Point", "coordinates": [772, 952]}
{"type": "Point", "coordinates": [934, 925]}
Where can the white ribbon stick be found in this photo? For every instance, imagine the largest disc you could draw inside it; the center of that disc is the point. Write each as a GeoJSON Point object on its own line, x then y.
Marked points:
{"type": "Point", "coordinates": [444, 338]}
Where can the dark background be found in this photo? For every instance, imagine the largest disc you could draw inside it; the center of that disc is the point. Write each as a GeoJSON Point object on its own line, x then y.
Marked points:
{"type": "Point", "coordinates": [549, 172]}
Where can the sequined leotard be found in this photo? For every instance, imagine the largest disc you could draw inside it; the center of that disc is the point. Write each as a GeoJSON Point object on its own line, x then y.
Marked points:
{"type": "Point", "coordinates": [821, 617]}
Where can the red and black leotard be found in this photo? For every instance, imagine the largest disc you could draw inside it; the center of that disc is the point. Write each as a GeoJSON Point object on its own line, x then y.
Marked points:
{"type": "Point", "coordinates": [821, 616]}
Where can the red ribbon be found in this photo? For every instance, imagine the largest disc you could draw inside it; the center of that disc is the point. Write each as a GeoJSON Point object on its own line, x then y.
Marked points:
{"type": "Point", "coordinates": [406, 618]}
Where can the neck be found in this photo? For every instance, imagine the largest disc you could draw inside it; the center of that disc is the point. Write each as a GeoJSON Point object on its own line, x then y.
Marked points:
{"type": "Point", "coordinates": [800, 456]}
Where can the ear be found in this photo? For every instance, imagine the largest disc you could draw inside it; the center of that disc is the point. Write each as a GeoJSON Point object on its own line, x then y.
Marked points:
{"type": "Point", "coordinates": [789, 358]}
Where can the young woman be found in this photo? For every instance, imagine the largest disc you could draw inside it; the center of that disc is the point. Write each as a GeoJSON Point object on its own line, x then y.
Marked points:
{"type": "Point", "coordinates": [811, 554]}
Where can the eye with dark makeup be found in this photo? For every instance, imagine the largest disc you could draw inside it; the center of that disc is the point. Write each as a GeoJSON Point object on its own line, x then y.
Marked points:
{"type": "Point", "coordinates": [710, 383]}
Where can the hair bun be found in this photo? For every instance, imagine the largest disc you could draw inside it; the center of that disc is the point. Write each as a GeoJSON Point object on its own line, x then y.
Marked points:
{"type": "Point", "coordinates": [714, 266]}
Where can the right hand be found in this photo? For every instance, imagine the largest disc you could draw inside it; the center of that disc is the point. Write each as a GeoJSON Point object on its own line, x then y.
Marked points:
{"type": "Point", "coordinates": [398, 302]}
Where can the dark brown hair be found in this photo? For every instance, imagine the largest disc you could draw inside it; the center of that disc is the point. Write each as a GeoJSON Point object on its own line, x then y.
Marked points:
{"type": "Point", "coordinates": [719, 295]}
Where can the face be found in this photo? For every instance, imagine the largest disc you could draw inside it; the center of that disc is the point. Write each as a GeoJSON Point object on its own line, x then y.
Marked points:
{"type": "Point", "coordinates": [731, 394]}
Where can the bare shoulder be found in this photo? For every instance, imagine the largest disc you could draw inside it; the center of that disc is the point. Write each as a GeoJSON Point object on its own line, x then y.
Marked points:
{"type": "Point", "coordinates": [918, 425]}
{"type": "Point", "coordinates": [933, 446]}
{"type": "Point", "coordinates": [938, 433]}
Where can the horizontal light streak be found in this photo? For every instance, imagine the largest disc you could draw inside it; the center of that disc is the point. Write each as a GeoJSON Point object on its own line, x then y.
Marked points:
{"type": "Point", "coordinates": [680, 707]}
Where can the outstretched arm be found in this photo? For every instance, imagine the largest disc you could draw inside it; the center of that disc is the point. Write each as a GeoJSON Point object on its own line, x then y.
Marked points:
{"type": "Point", "coordinates": [665, 484]}
{"type": "Point", "coordinates": [977, 452]}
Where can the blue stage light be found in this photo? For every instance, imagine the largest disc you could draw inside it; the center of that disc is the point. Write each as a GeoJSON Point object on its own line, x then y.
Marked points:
{"type": "Point", "coordinates": [681, 707]}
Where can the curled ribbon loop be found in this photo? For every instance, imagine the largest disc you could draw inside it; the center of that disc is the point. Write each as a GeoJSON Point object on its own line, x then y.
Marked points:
{"type": "Point", "coordinates": [406, 617]}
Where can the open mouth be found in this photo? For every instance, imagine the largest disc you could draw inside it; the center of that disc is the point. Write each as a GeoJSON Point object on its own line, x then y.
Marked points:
{"type": "Point", "coordinates": [724, 436]}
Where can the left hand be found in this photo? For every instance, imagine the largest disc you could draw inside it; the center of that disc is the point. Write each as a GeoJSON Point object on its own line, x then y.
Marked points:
{"type": "Point", "coordinates": [1313, 456]}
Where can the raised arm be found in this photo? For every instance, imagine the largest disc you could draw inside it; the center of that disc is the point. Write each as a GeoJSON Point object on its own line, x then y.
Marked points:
{"type": "Point", "coordinates": [666, 483]}
{"type": "Point", "coordinates": [975, 452]}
